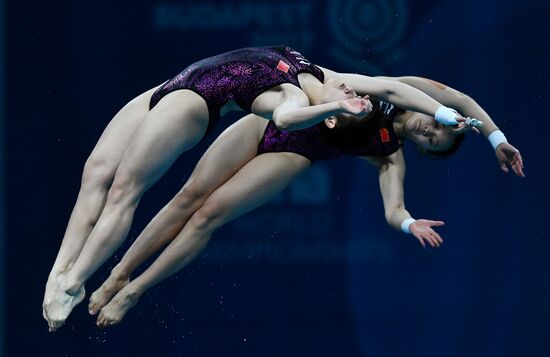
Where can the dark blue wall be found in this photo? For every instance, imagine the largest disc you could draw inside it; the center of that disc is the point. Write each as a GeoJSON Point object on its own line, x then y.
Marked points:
{"type": "Point", "coordinates": [309, 274]}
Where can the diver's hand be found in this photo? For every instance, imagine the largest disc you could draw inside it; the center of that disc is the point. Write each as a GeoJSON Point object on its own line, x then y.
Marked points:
{"type": "Point", "coordinates": [356, 106]}
{"type": "Point", "coordinates": [462, 127]}
{"type": "Point", "coordinates": [448, 116]}
{"type": "Point", "coordinates": [507, 155]}
{"type": "Point", "coordinates": [422, 230]}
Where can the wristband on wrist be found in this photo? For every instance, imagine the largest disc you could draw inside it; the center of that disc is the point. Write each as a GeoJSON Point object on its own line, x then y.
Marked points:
{"type": "Point", "coordinates": [496, 138]}
{"type": "Point", "coordinates": [406, 224]}
{"type": "Point", "coordinates": [446, 115]}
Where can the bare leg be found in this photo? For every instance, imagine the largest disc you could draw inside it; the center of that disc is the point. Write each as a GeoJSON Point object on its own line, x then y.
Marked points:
{"type": "Point", "coordinates": [174, 125]}
{"type": "Point", "coordinates": [236, 146]}
{"type": "Point", "coordinates": [257, 182]}
{"type": "Point", "coordinates": [98, 175]}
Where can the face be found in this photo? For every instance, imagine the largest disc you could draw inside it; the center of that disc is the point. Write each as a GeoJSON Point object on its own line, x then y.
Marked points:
{"type": "Point", "coordinates": [429, 134]}
{"type": "Point", "coordinates": [335, 90]}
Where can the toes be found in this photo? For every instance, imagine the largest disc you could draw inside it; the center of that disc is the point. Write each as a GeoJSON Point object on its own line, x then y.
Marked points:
{"type": "Point", "coordinates": [92, 307]}
{"type": "Point", "coordinates": [44, 313]}
{"type": "Point", "coordinates": [104, 321]}
{"type": "Point", "coordinates": [100, 319]}
{"type": "Point", "coordinates": [54, 325]}
{"type": "Point", "coordinates": [59, 323]}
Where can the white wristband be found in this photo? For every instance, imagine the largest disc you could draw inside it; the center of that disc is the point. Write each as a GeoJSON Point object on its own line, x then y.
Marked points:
{"type": "Point", "coordinates": [446, 115]}
{"type": "Point", "coordinates": [496, 138]}
{"type": "Point", "coordinates": [406, 224]}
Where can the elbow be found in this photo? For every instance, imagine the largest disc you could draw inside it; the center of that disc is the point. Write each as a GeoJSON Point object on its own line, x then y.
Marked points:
{"type": "Point", "coordinates": [463, 96]}
{"type": "Point", "coordinates": [281, 123]}
{"type": "Point", "coordinates": [388, 216]}
{"type": "Point", "coordinates": [459, 99]}
{"type": "Point", "coordinates": [465, 99]}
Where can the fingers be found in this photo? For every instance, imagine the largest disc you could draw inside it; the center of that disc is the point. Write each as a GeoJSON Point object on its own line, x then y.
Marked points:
{"type": "Point", "coordinates": [503, 166]}
{"type": "Point", "coordinates": [420, 239]}
{"type": "Point", "coordinates": [519, 158]}
{"type": "Point", "coordinates": [517, 165]}
{"type": "Point", "coordinates": [438, 238]}
{"type": "Point", "coordinates": [436, 223]}
{"type": "Point", "coordinates": [464, 128]}
{"type": "Point", "coordinates": [432, 240]}
{"type": "Point", "coordinates": [517, 169]}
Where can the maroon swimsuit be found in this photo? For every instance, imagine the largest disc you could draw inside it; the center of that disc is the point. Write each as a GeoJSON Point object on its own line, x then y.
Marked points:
{"type": "Point", "coordinates": [240, 75]}
{"type": "Point", "coordinates": [374, 136]}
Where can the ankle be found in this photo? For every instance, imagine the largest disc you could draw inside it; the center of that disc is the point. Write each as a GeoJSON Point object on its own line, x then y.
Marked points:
{"type": "Point", "coordinates": [61, 269]}
{"type": "Point", "coordinates": [73, 286]}
{"type": "Point", "coordinates": [120, 273]}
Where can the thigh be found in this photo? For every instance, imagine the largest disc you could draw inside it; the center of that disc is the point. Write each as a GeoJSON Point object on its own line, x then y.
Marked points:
{"type": "Point", "coordinates": [176, 124]}
{"type": "Point", "coordinates": [255, 184]}
{"type": "Point", "coordinates": [236, 146]}
{"type": "Point", "coordinates": [117, 135]}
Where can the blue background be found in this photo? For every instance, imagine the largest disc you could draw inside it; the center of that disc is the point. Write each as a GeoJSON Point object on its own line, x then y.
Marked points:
{"type": "Point", "coordinates": [316, 272]}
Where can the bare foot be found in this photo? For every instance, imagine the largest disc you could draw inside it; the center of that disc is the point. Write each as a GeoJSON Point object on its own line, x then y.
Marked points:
{"type": "Point", "coordinates": [58, 304]}
{"type": "Point", "coordinates": [51, 285]}
{"type": "Point", "coordinates": [115, 310]}
{"type": "Point", "coordinates": [110, 287]}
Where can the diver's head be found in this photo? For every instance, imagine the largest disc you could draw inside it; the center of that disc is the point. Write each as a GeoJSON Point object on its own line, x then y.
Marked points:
{"type": "Point", "coordinates": [432, 137]}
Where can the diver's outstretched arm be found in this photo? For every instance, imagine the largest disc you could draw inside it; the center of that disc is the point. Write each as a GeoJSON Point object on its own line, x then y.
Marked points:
{"type": "Point", "coordinates": [467, 106]}
{"type": "Point", "coordinates": [400, 94]}
{"type": "Point", "coordinates": [448, 96]}
{"type": "Point", "coordinates": [391, 173]}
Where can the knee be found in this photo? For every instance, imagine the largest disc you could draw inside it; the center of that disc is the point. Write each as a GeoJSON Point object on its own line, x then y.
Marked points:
{"type": "Point", "coordinates": [207, 217]}
{"type": "Point", "coordinates": [97, 173]}
{"type": "Point", "coordinates": [125, 190]}
{"type": "Point", "coordinates": [192, 195]}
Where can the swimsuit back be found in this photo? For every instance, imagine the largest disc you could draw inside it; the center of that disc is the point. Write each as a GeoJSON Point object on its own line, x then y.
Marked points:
{"type": "Point", "coordinates": [239, 75]}
{"type": "Point", "coordinates": [374, 136]}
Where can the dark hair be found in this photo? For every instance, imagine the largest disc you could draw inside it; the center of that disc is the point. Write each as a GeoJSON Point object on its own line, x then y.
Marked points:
{"type": "Point", "coordinates": [446, 153]}
{"type": "Point", "coordinates": [348, 134]}
{"type": "Point", "coordinates": [352, 134]}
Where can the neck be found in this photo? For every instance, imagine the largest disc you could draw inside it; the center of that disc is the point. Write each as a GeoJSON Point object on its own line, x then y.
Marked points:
{"type": "Point", "coordinates": [311, 87]}
{"type": "Point", "coordinates": [399, 124]}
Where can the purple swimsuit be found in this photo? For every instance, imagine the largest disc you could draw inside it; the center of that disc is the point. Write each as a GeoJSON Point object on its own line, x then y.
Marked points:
{"type": "Point", "coordinates": [373, 136]}
{"type": "Point", "coordinates": [240, 75]}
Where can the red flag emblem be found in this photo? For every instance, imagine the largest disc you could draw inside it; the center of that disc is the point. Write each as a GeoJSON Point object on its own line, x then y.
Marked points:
{"type": "Point", "coordinates": [283, 67]}
{"type": "Point", "coordinates": [384, 135]}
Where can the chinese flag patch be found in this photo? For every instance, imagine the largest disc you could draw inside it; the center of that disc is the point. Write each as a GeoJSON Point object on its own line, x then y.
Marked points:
{"type": "Point", "coordinates": [283, 67]}
{"type": "Point", "coordinates": [384, 135]}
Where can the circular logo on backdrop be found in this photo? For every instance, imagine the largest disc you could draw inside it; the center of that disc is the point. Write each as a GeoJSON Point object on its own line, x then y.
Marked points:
{"type": "Point", "coordinates": [367, 34]}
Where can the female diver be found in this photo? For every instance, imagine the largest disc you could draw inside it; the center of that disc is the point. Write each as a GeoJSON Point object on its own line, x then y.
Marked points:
{"type": "Point", "coordinates": [264, 160]}
{"type": "Point", "coordinates": [150, 132]}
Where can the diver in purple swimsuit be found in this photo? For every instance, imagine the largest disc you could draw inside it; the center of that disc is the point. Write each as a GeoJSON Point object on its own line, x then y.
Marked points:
{"type": "Point", "coordinates": [240, 75]}
{"type": "Point", "coordinates": [373, 136]}
{"type": "Point", "coordinates": [148, 134]}
{"type": "Point", "coordinates": [264, 161]}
